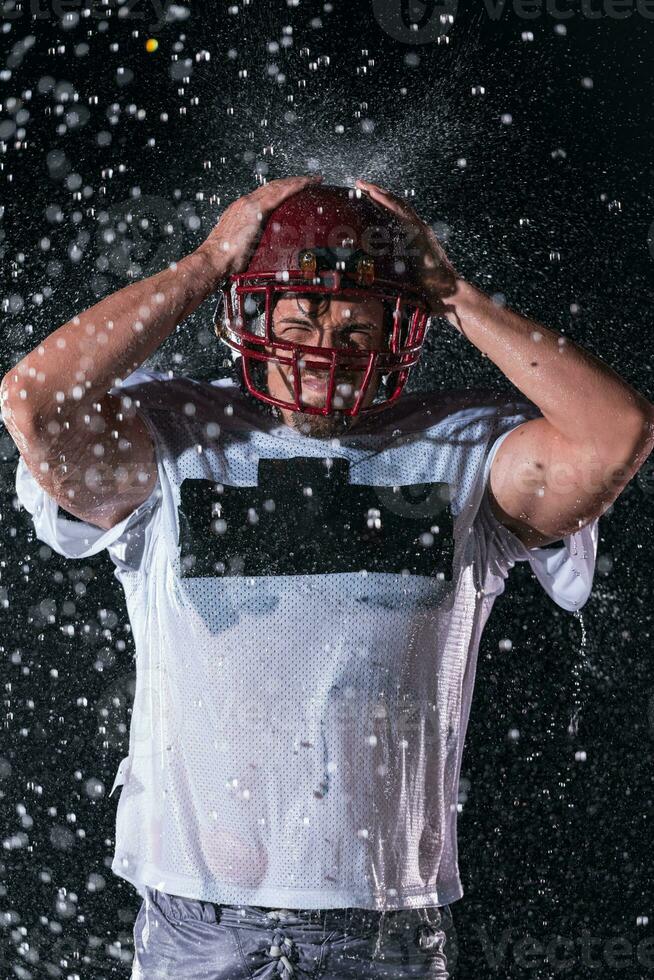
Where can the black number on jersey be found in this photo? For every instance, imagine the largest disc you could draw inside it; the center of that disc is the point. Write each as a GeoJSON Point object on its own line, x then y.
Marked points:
{"type": "Point", "coordinates": [305, 518]}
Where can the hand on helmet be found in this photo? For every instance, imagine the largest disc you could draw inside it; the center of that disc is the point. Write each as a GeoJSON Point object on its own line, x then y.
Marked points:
{"type": "Point", "coordinates": [438, 274]}
{"type": "Point", "coordinates": [234, 239]}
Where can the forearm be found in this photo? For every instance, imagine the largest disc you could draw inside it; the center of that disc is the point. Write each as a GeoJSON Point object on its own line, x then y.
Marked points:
{"type": "Point", "coordinates": [84, 358]}
{"type": "Point", "coordinates": [581, 397]}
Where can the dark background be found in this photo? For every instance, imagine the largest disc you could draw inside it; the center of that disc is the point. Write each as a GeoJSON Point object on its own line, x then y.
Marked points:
{"type": "Point", "coordinates": [552, 209]}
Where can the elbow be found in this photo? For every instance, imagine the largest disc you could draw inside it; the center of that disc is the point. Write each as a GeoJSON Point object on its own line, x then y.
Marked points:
{"type": "Point", "coordinates": [8, 402]}
{"type": "Point", "coordinates": [632, 447]}
{"type": "Point", "coordinates": [16, 412]}
{"type": "Point", "coordinates": [622, 452]}
{"type": "Point", "coordinates": [643, 433]}
{"type": "Point", "coordinates": [632, 439]}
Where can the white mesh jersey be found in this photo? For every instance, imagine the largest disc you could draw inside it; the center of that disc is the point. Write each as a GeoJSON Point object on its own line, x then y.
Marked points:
{"type": "Point", "coordinates": [306, 616]}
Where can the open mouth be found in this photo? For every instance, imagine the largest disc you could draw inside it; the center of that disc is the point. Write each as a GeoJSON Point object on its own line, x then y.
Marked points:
{"type": "Point", "coordinates": [312, 382]}
{"type": "Point", "coordinates": [314, 387]}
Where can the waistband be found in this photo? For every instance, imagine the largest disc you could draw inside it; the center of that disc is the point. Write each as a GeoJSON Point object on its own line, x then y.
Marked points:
{"type": "Point", "coordinates": [326, 920]}
{"type": "Point", "coordinates": [318, 921]}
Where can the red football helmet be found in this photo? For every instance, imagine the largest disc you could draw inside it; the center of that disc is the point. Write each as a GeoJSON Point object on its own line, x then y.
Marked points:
{"type": "Point", "coordinates": [336, 243]}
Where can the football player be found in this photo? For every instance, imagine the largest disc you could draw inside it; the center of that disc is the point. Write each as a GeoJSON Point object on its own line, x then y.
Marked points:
{"type": "Point", "coordinates": [309, 555]}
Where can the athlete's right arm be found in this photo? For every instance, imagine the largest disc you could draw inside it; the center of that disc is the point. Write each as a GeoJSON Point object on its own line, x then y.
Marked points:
{"type": "Point", "coordinates": [90, 450]}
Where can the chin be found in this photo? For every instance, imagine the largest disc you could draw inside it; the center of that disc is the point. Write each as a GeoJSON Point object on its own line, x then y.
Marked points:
{"type": "Point", "coordinates": [321, 426]}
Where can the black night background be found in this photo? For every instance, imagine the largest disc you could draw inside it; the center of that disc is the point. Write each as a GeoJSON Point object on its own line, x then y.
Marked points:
{"type": "Point", "coordinates": [523, 133]}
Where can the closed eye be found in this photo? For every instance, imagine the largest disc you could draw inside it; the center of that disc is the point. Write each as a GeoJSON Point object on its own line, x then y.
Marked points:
{"type": "Point", "coordinates": [294, 332]}
{"type": "Point", "coordinates": [292, 329]}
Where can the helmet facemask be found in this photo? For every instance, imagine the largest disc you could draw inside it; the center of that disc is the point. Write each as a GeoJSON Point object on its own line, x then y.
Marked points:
{"type": "Point", "coordinates": [245, 321]}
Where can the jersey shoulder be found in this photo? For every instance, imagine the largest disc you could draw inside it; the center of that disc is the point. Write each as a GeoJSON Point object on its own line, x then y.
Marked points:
{"type": "Point", "coordinates": [159, 387]}
{"type": "Point", "coordinates": [185, 397]}
{"type": "Point", "coordinates": [458, 409]}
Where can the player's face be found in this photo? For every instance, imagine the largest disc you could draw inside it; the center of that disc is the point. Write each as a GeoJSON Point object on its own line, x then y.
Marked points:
{"type": "Point", "coordinates": [319, 321]}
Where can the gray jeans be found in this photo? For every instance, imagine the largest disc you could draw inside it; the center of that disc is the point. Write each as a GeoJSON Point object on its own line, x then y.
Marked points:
{"type": "Point", "coordinates": [188, 939]}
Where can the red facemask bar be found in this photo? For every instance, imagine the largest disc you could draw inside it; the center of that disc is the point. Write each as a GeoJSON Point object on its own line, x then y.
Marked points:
{"type": "Point", "coordinates": [245, 323]}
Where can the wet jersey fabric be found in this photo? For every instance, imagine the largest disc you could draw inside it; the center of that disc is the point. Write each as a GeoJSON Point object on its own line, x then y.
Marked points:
{"type": "Point", "coordinates": [306, 616]}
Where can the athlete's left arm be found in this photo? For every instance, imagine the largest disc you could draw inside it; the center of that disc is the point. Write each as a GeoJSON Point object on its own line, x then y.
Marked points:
{"type": "Point", "coordinates": [553, 475]}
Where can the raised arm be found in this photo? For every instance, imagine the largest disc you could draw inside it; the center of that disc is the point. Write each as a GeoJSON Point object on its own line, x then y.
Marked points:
{"type": "Point", "coordinates": [555, 474]}
{"type": "Point", "coordinates": [91, 450]}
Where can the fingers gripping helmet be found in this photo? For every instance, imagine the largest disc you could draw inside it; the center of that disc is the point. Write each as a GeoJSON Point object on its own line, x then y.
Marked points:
{"type": "Point", "coordinates": [327, 242]}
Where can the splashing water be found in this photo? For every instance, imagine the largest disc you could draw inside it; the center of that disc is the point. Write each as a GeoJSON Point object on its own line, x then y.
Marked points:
{"type": "Point", "coordinates": [380, 934]}
{"type": "Point", "coordinates": [580, 665]}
